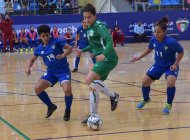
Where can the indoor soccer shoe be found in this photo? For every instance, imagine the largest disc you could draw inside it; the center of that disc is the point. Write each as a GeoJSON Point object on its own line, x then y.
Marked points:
{"type": "Point", "coordinates": [50, 110]}
{"type": "Point", "coordinates": [114, 101]}
{"type": "Point", "coordinates": [167, 109]}
{"type": "Point", "coordinates": [75, 70]}
{"type": "Point", "coordinates": [142, 103]}
{"type": "Point", "coordinates": [67, 115]}
{"type": "Point", "coordinates": [84, 122]}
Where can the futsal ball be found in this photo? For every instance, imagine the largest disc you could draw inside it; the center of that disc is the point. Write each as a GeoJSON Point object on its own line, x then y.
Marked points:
{"type": "Point", "coordinates": [95, 122]}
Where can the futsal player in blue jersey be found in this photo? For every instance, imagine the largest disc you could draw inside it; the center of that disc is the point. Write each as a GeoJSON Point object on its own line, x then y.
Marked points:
{"type": "Point", "coordinates": [55, 58]}
{"type": "Point", "coordinates": [81, 42]}
{"type": "Point", "coordinates": [166, 62]}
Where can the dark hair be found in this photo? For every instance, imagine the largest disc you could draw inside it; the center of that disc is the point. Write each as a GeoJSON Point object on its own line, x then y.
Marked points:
{"type": "Point", "coordinates": [43, 29]}
{"type": "Point", "coordinates": [116, 27]}
{"type": "Point", "coordinates": [90, 8]}
{"type": "Point", "coordinates": [162, 23]}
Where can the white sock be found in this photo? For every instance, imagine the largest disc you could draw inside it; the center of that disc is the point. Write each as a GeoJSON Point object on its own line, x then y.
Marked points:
{"type": "Point", "coordinates": [101, 87]}
{"type": "Point", "coordinates": [94, 101]}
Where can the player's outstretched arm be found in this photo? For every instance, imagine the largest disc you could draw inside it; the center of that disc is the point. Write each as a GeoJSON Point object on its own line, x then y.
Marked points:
{"type": "Point", "coordinates": [146, 52]}
{"type": "Point", "coordinates": [67, 51]}
{"type": "Point", "coordinates": [32, 60]}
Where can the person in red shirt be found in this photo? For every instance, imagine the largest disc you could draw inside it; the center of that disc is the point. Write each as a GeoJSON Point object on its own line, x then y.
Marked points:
{"type": "Point", "coordinates": [32, 38]}
{"type": "Point", "coordinates": [55, 33]}
{"type": "Point", "coordinates": [118, 36]}
{"type": "Point", "coordinates": [68, 36]}
{"type": "Point", "coordinates": [23, 40]}
{"type": "Point", "coordinates": [7, 32]}
{"type": "Point", "coordinates": [15, 39]}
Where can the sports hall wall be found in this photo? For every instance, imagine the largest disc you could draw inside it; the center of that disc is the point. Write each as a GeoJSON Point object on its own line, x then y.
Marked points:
{"type": "Point", "coordinates": [179, 21]}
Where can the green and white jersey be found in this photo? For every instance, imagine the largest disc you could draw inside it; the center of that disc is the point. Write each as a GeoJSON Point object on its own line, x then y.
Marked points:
{"type": "Point", "coordinates": [100, 40]}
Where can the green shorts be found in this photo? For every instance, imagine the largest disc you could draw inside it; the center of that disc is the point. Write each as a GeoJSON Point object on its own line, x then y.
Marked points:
{"type": "Point", "coordinates": [103, 68]}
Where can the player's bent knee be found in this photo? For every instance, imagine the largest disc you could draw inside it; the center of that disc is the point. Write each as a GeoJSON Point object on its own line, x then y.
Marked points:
{"type": "Point", "coordinates": [67, 91]}
{"type": "Point", "coordinates": [37, 89]}
{"type": "Point", "coordinates": [170, 84]}
{"type": "Point", "coordinates": [88, 81]}
{"type": "Point", "coordinates": [97, 85]}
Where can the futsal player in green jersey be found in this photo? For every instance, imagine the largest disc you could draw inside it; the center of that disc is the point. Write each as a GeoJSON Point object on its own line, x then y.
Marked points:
{"type": "Point", "coordinates": [101, 46]}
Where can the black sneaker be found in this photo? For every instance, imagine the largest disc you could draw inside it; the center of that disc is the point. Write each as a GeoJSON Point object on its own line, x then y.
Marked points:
{"type": "Point", "coordinates": [75, 70]}
{"type": "Point", "coordinates": [51, 110]}
{"type": "Point", "coordinates": [84, 122]}
{"type": "Point", "coordinates": [114, 101]}
{"type": "Point", "coordinates": [67, 115]}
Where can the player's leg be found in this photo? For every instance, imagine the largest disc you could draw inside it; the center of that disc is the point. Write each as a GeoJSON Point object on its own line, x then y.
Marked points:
{"type": "Point", "coordinates": [94, 96]}
{"type": "Point", "coordinates": [66, 86]}
{"type": "Point", "coordinates": [147, 81]}
{"type": "Point", "coordinates": [65, 82]}
{"type": "Point", "coordinates": [171, 77]}
{"type": "Point", "coordinates": [100, 86]}
{"type": "Point", "coordinates": [42, 84]}
{"type": "Point", "coordinates": [103, 69]}
{"type": "Point", "coordinates": [77, 60]}
{"type": "Point", "coordinates": [154, 73]}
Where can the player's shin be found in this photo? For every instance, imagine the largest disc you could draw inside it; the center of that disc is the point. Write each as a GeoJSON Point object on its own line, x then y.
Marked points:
{"type": "Point", "coordinates": [43, 96]}
{"type": "Point", "coordinates": [94, 101]}
{"type": "Point", "coordinates": [170, 94]}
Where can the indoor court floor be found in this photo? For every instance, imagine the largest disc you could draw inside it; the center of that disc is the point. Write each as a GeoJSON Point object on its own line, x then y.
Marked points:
{"type": "Point", "coordinates": [22, 114]}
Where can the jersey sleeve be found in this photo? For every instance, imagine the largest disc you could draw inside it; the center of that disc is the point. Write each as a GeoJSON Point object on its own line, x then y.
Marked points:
{"type": "Point", "coordinates": [78, 30]}
{"type": "Point", "coordinates": [176, 46]}
{"type": "Point", "coordinates": [60, 43]}
{"type": "Point", "coordinates": [36, 52]}
{"type": "Point", "coordinates": [151, 44]}
{"type": "Point", "coordinates": [104, 33]}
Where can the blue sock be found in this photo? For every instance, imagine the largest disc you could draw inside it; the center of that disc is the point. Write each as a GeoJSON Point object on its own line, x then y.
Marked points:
{"type": "Point", "coordinates": [94, 60]}
{"type": "Point", "coordinates": [170, 94]}
{"type": "Point", "coordinates": [45, 98]}
{"type": "Point", "coordinates": [145, 92]}
{"type": "Point", "coordinates": [68, 102]}
{"type": "Point", "coordinates": [77, 62]}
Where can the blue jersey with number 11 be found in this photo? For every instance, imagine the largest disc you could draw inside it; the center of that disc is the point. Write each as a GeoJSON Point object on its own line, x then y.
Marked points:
{"type": "Point", "coordinates": [165, 51]}
{"type": "Point", "coordinates": [49, 53]}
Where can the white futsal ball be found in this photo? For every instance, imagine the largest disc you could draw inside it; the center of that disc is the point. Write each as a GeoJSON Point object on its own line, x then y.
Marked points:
{"type": "Point", "coordinates": [94, 122]}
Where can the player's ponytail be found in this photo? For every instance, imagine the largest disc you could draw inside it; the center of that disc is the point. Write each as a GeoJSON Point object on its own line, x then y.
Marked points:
{"type": "Point", "coordinates": [163, 23]}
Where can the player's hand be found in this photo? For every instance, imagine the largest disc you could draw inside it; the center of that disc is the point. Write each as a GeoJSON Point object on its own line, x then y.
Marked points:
{"type": "Point", "coordinates": [60, 56]}
{"type": "Point", "coordinates": [134, 59]}
{"type": "Point", "coordinates": [28, 72]}
{"type": "Point", "coordinates": [173, 67]}
{"type": "Point", "coordinates": [100, 57]}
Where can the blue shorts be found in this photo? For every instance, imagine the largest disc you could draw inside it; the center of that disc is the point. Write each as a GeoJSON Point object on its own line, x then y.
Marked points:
{"type": "Point", "coordinates": [54, 78]}
{"type": "Point", "coordinates": [155, 72]}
